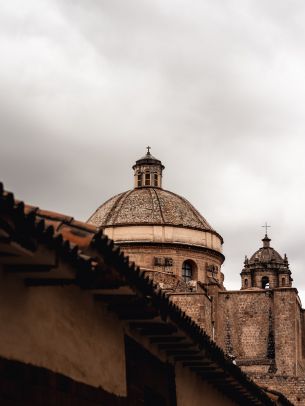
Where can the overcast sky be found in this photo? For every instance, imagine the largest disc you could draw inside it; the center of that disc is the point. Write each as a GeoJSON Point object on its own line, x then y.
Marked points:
{"type": "Point", "coordinates": [216, 88]}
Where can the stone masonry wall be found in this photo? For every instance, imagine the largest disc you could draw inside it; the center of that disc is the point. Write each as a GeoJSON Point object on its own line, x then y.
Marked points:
{"type": "Point", "coordinates": [168, 281]}
{"type": "Point", "coordinates": [291, 386]}
{"type": "Point", "coordinates": [243, 323]}
{"type": "Point", "coordinates": [145, 257]}
{"type": "Point", "coordinates": [198, 306]}
{"type": "Point", "coordinates": [263, 329]}
{"type": "Point", "coordinates": [272, 276]}
{"type": "Point", "coordinates": [286, 314]}
{"type": "Point", "coordinates": [195, 304]}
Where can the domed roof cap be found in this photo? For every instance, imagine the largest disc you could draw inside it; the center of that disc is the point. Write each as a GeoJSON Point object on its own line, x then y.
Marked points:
{"type": "Point", "coordinates": [266, 253]}
{"type": "Point", "coordinates": [148, 159]}
{"type": "Point", "coordinates": [149, 204]}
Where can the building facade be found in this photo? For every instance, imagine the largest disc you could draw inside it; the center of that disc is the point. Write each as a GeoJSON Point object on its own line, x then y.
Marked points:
{"type": "Point", "coordinates": [261, 326]}
{"type": "Point", "coordinates": [83, 326]}
{"type": "Point", "coordinates": [159, 230]}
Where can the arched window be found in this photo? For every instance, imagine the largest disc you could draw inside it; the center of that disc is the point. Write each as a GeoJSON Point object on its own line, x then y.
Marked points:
{"type": "Point", "coordinates": [147, 179]}
{"type": "Point", "coordinates": [155, 179]}
{"type": "Point", "coordinates": [265, 282]}
{"type": "Point", "coordinates": [283, 281]}
{"type": "Point", "coordinates": [246, 283]}
{"type": "Point", "coordinates": [139, 179]}
{"type": "Point", "coordinates": [187, 271]}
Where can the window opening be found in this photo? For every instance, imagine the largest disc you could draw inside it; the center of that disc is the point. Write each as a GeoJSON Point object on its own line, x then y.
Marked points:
{"type": "Point", "coordinates": [155, 179]}
{"type": "Point", "coordinates": [187, 271]}
{"type": "Point", "coordinates": [265, 282]}
{"type": "Point", "coordinates": [140, 180]}
{"type": "Point", "coordinates": [147, 179]}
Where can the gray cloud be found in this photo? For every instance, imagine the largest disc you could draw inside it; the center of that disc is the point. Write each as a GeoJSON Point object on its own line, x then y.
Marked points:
{"type": "Point", "coordinates": [217, 89]}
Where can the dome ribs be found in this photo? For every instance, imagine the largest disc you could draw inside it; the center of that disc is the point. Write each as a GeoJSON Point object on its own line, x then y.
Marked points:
{"type": "Point", "coordinates": [152, 190]}
{"type": "Point", "coordinates": [138, 207]}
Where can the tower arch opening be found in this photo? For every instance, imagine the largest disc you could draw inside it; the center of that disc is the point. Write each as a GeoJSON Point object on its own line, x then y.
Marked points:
{"type": "Point", "coordinates": [265, 282]}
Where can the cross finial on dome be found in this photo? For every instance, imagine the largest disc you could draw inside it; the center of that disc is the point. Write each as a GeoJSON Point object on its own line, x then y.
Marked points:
{"type": "Point", "coordinates": [266, 227]}
{"type": "Point", "coordinates": [148, 150]}
{"type": "Point", "coordinates": [266, 240]}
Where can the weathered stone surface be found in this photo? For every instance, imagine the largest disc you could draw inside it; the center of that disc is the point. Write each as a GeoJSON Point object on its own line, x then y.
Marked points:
{"type": "Point", "coordinates": [291, 386]}
{"type": "Point", "coordinates": [202, 259]}
{"type": "Point", "coordinates": [262, 326]}
{"type": "Point", "coordinates": [148, 206]}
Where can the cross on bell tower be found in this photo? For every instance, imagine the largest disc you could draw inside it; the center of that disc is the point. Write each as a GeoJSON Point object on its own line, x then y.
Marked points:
{"type": "Point", "coordinates": [266, 240]}
{"type": "Point", "coordinates": [266, 227]}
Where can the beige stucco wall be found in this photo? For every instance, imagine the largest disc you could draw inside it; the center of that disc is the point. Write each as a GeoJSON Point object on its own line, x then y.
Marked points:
{"type": "Point", "coordinates": [164, 234]}
{"type": "Point", "coordinates": [192, 390]}
{"type": "Point", "coordinates": [62, 329]}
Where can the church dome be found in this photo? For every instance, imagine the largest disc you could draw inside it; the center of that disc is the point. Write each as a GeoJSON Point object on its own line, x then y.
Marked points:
{"type": "Point", "coordinates": [149, 205]}
{"type": "Point", "coordinates": [266, 253]}
{"type": "Point", "coordinates": [150, 214]}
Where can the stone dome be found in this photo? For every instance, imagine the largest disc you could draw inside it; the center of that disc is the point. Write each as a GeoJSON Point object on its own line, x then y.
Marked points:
{"type": "Point", "coordinates": [266, 254]}
{"type": "Point", "coordinates": [149, 206]}
{"type": "Point", "coordinates": [148, 214]}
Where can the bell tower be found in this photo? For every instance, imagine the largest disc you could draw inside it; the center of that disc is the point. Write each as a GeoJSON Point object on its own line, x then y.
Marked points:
{"type": "Point", "coordinates": [266, 269]}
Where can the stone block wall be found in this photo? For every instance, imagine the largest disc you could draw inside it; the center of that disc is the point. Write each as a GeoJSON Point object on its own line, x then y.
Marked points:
{"type": "Point", "coordinates": [198, 306]}
{"type": "Point", "coordinates": [172, 258]}
{"type": "Point", "coordinates": [168, 281]}
{"type": "Point", "coordinates": [263, 329]}
{"type": "Point", "coordinates": [272, 275]}
{"type": "Point", "coordinates": [291, 386]}
{"type": "Point", "coordinates": [243, 324]}
{"type": "Point", "coordinates": [285, 330]}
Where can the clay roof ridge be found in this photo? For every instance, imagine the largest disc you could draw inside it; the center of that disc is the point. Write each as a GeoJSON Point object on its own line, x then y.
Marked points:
{"type": "Point", "coordinates": [31, 220]}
